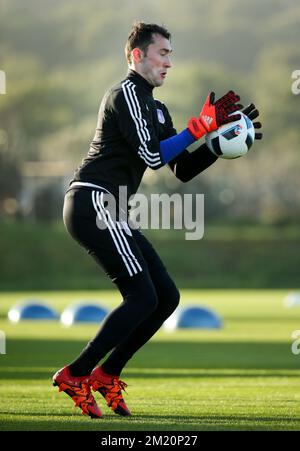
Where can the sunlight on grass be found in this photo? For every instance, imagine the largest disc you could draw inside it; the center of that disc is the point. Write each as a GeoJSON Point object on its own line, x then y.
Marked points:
{"type": "Point", "coordinates": [241, 377]}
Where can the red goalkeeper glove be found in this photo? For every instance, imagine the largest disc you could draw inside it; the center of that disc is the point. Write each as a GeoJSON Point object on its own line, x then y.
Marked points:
{"type": "Point", "coordinates": [214, 114]}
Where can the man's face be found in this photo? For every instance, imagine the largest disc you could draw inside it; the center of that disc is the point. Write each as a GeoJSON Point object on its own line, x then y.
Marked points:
{"type": "Point", "coordinates": [154, 65]}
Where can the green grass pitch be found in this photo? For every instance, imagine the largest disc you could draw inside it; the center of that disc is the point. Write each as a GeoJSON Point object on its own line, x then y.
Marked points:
{"type": "Point", "coordinates": [241, 377]}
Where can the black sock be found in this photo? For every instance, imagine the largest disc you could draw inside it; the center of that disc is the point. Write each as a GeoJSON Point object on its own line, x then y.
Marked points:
{"type": "Point", "coordinates": [111, 368]}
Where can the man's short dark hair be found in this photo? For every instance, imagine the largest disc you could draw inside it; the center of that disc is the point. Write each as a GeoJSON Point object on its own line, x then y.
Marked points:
{"type": "Point", "coordinates": [141, 36]}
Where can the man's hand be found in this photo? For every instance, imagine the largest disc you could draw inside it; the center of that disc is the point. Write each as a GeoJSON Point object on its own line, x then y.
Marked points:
{"type": "Point", "coordinates": [214, 114]}
{"type": "Point", "coordinates": [253, 113]}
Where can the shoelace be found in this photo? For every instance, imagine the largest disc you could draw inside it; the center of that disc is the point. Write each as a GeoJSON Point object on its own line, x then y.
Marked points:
{"type": "Point", "coordinates": [82, 394]}
{"type": "Point", "coordinates": [113, 394]}
{"type": "Point", "coordinates": [122, 385]}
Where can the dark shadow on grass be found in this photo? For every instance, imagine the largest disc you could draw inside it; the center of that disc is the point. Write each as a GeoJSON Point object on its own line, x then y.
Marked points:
{"type": "Point", "coordinates": [219, 418]}
{"type": "Point", "coordinates": [43, 375]}
{"type": "Point", "coordinates": [138, 417]}
{"type": "Point", "coordinates": [27, 356]}
{"type": "Point", "coordinates": [155, 423]}
{"type": "Point", "coordinates": [39, 414]}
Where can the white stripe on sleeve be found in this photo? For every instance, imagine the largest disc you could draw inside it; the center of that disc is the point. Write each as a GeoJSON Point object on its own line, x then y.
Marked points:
{"type": "Point", "coordinates": [152, 159]}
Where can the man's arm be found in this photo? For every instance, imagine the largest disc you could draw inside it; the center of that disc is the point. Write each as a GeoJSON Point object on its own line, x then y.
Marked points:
{"type": "Point", "coordinates": [187, 165]}
{"type": "Point", "coordinates": [135, 123]}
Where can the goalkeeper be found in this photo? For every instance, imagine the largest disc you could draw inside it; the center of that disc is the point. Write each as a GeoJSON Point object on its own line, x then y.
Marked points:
{"type": "Point", "coordinates": [134, 131]}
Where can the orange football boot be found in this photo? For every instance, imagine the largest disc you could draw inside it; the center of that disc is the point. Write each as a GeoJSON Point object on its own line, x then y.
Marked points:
{"type": "Point", "coordinates": [110, 388]}
{"type": "Point", "coordinates": [79, 390]}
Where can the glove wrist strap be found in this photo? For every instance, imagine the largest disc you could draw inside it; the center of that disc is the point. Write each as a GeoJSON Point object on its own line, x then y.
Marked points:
{"type": "Point", "coordinates": [196, 128]}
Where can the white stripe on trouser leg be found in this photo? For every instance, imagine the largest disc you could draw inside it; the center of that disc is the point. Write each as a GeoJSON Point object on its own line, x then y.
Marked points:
{"type": "Point", "coordinates": [112, 228]}
{"type": "Point", "coordinates": [119, 232]}
{"type": "Point", "coordinates": [95, 207]}
{"type": "Point", "coordinates": [128, 247]}
{"type": "Point", "coordinates": [122, 239]}
{"type": "Point", "coordinates": [111, 233]}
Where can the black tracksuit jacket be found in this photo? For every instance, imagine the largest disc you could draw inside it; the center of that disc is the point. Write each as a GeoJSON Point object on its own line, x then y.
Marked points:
{"type": "Point", "coordinates": [131, 124]}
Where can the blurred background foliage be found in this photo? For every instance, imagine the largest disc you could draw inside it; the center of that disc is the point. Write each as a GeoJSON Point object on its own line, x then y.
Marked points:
{"type": "Point", "coordinates": [60, 57]}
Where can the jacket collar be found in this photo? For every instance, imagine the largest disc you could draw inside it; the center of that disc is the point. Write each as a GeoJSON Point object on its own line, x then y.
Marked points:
{"type": "Point", "coordinates": [140, 81]}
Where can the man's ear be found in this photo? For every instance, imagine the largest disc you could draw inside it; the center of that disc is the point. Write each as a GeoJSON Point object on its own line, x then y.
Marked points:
{"type": "Point", "coordinates": [136, 55]}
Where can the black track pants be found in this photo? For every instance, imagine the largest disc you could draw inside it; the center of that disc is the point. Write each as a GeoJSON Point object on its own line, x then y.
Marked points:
{"type": "Point", "coordinates": [149, 294]}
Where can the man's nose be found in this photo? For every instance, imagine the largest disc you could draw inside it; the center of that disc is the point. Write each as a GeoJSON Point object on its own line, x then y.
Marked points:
{"type": "Point", "coordinates": [168, 62]}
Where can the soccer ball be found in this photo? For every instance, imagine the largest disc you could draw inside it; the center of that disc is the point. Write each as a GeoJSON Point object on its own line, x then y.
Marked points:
{"type": "Point", "coordinates": [232, 140]}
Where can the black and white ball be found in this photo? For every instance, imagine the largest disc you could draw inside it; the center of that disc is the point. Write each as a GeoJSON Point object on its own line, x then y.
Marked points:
{"type": "Point", "coordinates": [232, 140]}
